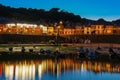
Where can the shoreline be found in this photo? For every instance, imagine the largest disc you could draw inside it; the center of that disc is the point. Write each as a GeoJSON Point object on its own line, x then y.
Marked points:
{"type": "Point", "coordinates": [62, 44]}
{"type": "Point", "coordinates": [36, 47]}
{"type": "Point", "coordinates": [69, 51]}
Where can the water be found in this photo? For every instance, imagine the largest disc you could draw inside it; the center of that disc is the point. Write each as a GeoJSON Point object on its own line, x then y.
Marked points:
{"type": "Point", "coordinates": [63, 69]}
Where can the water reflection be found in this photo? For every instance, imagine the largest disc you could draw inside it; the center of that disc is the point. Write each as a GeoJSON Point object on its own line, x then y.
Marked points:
{"type": "Point", "coordinates": [57, 69]}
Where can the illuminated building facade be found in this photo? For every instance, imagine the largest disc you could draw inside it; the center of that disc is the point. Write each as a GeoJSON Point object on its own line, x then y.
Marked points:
{"type": "Point", "coordinates": [108, 30]}
{"type": "Point", "coordinates": [97, 29]}
{"type": "Point", "coordinates": [50, 30]}
{"type": "Point", "coordinates": [33, 29]}
{"type": "Point", "coordinates": [116, 30]}
{"type": "Point", "coordinates": [87, 30]}
{"type": "Point", "coordinates": [79, 30]}
{"type": "Point", "coordinates": [66, 31]}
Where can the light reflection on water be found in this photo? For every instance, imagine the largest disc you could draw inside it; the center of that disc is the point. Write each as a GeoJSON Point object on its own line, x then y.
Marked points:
{"type": "Point", "coordinates": [63, 69]}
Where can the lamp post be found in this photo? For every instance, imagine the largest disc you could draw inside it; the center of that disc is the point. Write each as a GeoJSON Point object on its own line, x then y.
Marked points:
{"type": "Point", "coordinates": [59, 26]}
{"type": "Point", "coordinates": [57, 35]}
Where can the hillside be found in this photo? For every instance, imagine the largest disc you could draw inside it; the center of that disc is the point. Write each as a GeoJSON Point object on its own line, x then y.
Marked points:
{"type": "Point", "coordinates": [50, 17]}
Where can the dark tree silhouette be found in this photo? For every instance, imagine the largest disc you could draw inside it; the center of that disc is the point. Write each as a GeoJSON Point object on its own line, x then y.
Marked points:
{"type": "Point", "coordinates": [51, 16]}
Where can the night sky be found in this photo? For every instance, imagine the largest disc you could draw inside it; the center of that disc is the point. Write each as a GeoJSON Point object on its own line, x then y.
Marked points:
{"type": "Point", "coordinates": [91, 9]}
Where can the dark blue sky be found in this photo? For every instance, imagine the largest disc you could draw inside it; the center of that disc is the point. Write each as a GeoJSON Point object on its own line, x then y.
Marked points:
{"type": "Point", "coordinates": [91, 9]}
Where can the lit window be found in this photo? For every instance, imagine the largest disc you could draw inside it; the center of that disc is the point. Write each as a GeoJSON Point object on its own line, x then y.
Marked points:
{"type": "Point", "coordinates": [109, 31]}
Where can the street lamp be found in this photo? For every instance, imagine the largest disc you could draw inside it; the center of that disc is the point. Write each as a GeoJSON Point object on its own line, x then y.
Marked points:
{"type": "Point", "coordinates": [58, 26]}
{"type": "Point", "coordinates": [57, 35]}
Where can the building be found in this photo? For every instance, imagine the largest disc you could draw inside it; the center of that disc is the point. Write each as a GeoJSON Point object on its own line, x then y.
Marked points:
{"type": "Point", "coordinates": [97, 29]}
{"type": "Point", "coordinates": [66, 31]}
{"type": "Point", "coordinates": [38, 31]}
{"type": "Point", "coordinates": [33, 29]}
{"type": "Point", "coordinates": [44, 29]}
{"type": "Point", "coordinates": [1, 28]}
{"type": "Point", "coordinates": [87, 30]}
{"type": "Point", "coordinates": [79, 30]}
{"type": "Point", "coordinates": [50, 30]}
{"type": "Point", "coordinates": [116, 30]}
{"type": "Point", "coordinates": [108, 30]}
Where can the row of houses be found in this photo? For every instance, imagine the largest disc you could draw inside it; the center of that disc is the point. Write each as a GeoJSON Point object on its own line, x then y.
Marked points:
{"type": "Point", "coordinates": [33, 29]}
{"type": "Point", "coordinates": [90, 30]}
